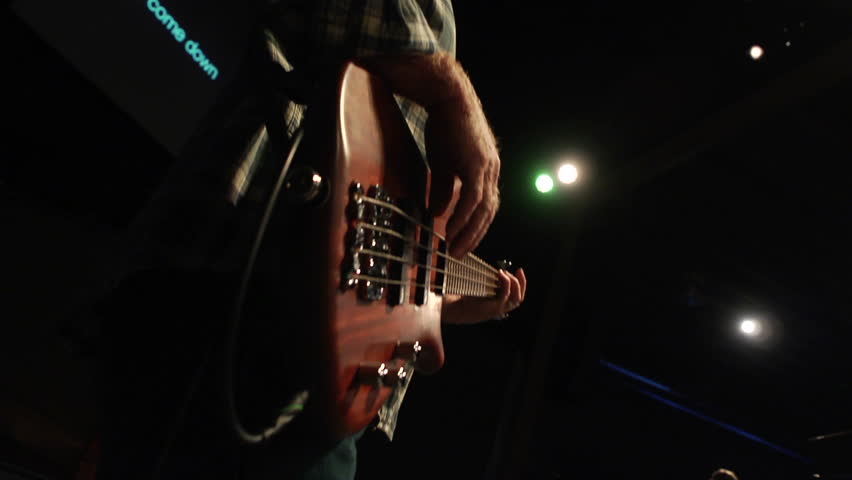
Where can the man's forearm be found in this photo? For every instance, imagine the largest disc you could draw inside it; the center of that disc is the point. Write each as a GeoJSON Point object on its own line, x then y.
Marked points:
{"type": "Point", "coordinates": [429, 80]}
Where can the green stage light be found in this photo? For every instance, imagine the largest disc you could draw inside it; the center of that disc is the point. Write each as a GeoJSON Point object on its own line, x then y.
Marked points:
{"type": "Point", "coordinates": [544, 183]}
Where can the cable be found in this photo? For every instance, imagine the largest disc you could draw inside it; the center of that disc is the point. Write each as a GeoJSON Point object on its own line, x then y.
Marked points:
{"type": "Point", "coordinates": [299, 398]}
{"type": "Point", "coordinates": [193, 386]}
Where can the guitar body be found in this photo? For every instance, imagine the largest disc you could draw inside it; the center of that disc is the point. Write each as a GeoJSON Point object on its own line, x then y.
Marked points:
{"type": "Point", "coordinates": [374, 147]}
{"type": "Point", "coordinates": [359, 337]}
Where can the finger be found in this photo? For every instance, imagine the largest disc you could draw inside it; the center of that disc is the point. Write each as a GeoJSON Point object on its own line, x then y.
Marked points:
{"type": "Point", "coordinates": [481, 227]}
{"type": "Point", "coordinates": [505, 286]}
{"type": "Point", "coordinates": [515, 297]}
{"type": "Point", "coordinates": [522, 277]}
{"type": "Point", "coordinates": [474, 310]}
{"type": "Point", "coordinates": [470, 198]}
{"type": "Point", "coordinates": [470, 236]}
{"type": "Point", "coordinates": [477, 226]}
{"type": "Point", "coordinates": [491, 199]}
{"type": "Point", "coordinates": [440, 194]}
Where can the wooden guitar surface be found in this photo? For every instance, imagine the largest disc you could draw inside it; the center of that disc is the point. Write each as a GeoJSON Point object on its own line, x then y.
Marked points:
{"type": "Point", "coordinates": [376, 148]}
{"type": "Point", "coordinates": [375, 151]}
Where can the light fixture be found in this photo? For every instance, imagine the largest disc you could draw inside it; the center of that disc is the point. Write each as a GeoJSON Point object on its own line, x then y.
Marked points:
{"type": "Point", "coordinates": [751, 327]}
{"type": "Point", "coordinates": [544, 183]}
{"type": "Point", "coordinates": [567, 173]}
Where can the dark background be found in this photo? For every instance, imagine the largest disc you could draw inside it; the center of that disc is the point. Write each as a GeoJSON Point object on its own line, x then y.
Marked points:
{"type": "Point", "coordinates": [133, 57]}
{"type": "Point", "coordinates": [712, 187]}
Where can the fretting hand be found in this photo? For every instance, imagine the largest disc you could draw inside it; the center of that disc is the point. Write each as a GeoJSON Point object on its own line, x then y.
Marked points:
{"type": "Point", "coordinates": [470, 310]}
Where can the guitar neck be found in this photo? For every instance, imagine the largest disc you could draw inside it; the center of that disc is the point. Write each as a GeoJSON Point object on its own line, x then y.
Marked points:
{"type": "Point", "coordinates": [471, 276]}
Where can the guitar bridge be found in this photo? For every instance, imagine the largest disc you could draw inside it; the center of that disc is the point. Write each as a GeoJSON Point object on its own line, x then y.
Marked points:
{"type": "Point", "coordinates": [375, 264]}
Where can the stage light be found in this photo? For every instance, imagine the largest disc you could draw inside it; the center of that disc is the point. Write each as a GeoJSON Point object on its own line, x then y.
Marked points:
{"type": "Point", "coordinates": [750, 327]}
{"type": "Point", "coordinates": [544, 183]}
{"type": "Point", "coordinates": [567, 173]}
{"type": "Point", "coordinates": [756, 52]}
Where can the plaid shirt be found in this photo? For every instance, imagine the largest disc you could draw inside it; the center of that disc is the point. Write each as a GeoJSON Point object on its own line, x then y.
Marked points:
{"type": "Point", "coordinates": [305, 32]}
{"type": "Point", "coordinates": [335, 30]}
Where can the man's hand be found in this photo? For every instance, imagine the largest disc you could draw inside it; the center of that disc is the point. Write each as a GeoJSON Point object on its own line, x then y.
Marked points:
{"type": "Point", "coordinates": [459, 142]}
{"type": "Point", "coordinates": [470, 310]}
{"type": "Point", "coordinates": [460, 145]}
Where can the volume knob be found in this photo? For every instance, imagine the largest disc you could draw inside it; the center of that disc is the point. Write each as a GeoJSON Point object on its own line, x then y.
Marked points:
{"type": "Point", "coordinates": [304, 185]}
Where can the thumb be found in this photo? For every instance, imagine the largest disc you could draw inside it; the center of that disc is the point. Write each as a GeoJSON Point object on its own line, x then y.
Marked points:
{"type": "Point", "coordinates": [441, 193]}
{"type": "Point", "coordinates": [471, 310]}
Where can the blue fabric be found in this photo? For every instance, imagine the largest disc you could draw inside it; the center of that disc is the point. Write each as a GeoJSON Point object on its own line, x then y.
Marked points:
{"type": "Point", "coordinates": [338, 464]}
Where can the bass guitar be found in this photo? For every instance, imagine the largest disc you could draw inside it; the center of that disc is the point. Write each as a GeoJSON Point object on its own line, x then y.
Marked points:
{"type": "Point", "coordinates": [356, 266]}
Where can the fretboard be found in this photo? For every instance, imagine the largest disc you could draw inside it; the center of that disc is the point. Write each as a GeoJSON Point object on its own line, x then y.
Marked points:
{"type": "Point", "coordinates": [471, 277]}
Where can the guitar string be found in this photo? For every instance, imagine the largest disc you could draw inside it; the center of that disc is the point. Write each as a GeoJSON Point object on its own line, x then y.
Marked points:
{"type": "Point", "coordinates": [402, 260]}
{"type": "Point", "coordinates": [402, 282]}
{"type": "Point", "coordinates": [413, 220]}
{"type": "Point", "coordinates": [435, 251]}
{"type": "Point", "coordinates": [427, 249]}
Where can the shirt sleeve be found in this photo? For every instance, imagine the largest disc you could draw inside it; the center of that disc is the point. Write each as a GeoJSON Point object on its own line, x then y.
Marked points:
{"type": "Point", "coordinates": [372, 27]}
{"type": "Point", "coordinates": [346, 29]}
{"type": "Point", "coordinates": [330, 31]}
